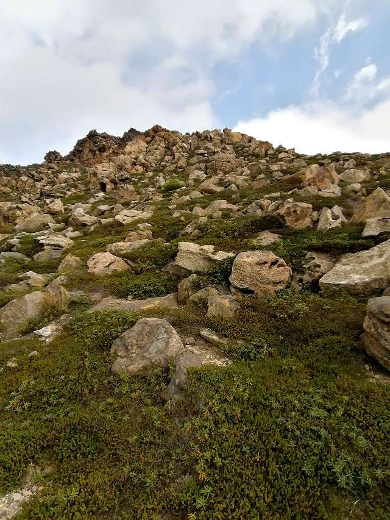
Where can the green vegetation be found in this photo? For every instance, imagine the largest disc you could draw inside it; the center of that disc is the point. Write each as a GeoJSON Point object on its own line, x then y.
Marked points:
{"type": "Point", "coordinates": [141, 286]}
{"type": "Point", "coordinates": [172, 185]}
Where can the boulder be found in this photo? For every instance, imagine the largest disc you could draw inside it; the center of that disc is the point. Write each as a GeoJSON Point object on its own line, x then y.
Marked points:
{"type": "Point", "coordinates": [376, 337]}
{"type": "Point", "coordinates": [297, 215]}
{"type": "Point", "coordinates": [316, 265]}
{"type": "Point", "coordinates": [123, 248]}
{"type": "Point", "coordinates": [320, 178]}
{"type": "Point", "coordinates": [331, 218]}
{"type": "Point", "coordinates": [70, 263]}
{"type": "Point", "coordinates": [127, 216]}
{"type": "Point", "coordinates": [55, 207]}
{"type": "Point", "coordinates": [31, 306]}
{"type": "Point", "coordinates": [362, 274]}
{"type": "Point", "coordinates": [259, 272]}
{"type": "Point", "coordinates": [376, 205]}
{"type": "Point", "coordinates": [34, 222]}
{"type": "Point", "coordinates": [151, 342]}
{"type": "Point", "coordinates": [194, 356]}
{"type": "Point", "coordinates": [352, 176]}
{"type": "Point", "coordinates": [376, 226]}
{"type": "Point", "coordinates": [192, 257]}
{"type": "Point", "coordinates": [266, 238]}
{"type": "Point", "coordinates": [223, 305]}
{"type": "Point", "coordinates": [106, 263]}
{"type": "Point", "coordinates": [80, 218]}
{"type": "Point", "coordinates": [117, 304]}
{"type": "Point", "coordinates": [186, 288]}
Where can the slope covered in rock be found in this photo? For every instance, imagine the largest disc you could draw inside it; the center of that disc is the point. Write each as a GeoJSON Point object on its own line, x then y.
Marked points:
{"type": "Point", "coordinates": [185, 331]}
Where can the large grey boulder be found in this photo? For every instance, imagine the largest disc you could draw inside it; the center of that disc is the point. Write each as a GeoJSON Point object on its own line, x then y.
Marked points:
{"type": "Point", "coordinates": [362, 274]}
{"type": "Point", "coordinates": [106, 263]}
{"type": "Point", "coordinates": [376, 337]}
{"type": "Point", "coordinates": [123, 248]}
{"type": "Point", "coordinates": [152, 341]}
{"type": "Point", "coordinates": [259, 272]}
{"type": "Point", "coordinates": [194, 258]}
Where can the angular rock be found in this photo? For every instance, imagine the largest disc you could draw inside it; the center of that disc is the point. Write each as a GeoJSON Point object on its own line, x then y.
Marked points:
{"type": "Point", "coordinates": [376, 226]}
{"type": "Point", "coordinates": [352, 176]}
{"type": "Point", "coordinates": [80, 218]}
{"type": "Point", "coordinates": [316, 265]}
{"type": "Point", "coordinates": [196, 258]}
{"type": "Point", "coordinates": [151, 342]}
{"type": "Point", "coordinates": [266, 238]}
{"type": "Point", "coordinates": [194, 357]}
{"type": "Point", "coordinates": [330, 218]}
{"type": "Point", "coordinates": [297, 215]}
{"type": "Point", "coordinates": [212, 337]}
{"type": "Point", "coordinates": [70, 263]}
{"type": "Point", "coordinates": [106, 263]}
{"type": "Point", "coordinates": [362, 274]}
{"type": "Point", "coordinates": [123, 248]}
{"type": "Point", "coordinates": [186, 288]}
{"type": "Point", "coordinates": [376, 205]}
{"type": "Point", "coordinates": [34, 222]}
{"type": "Point", "coordinates": [259, 272]}
{"type": "Point", "coordinates": [223, 305]}
{"type": "Point", "coordinates": [127, 216]}
{"type": "Point", "coordinates": [376, 337]}
{"type": "Point", "coordinates": [159, 302]}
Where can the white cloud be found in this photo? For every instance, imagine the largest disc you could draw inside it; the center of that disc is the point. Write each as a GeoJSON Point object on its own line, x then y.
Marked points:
{"type": "Point", "coordinates": [366, 87]}
{"type": "Point", "coordinates": [68, 66]}
{"type": "Point", "coordinates": [324, 127]}
{"type": "Point", "coordinates": [343, 27]}
{"type": "Point", "coordinates": [333, 35]}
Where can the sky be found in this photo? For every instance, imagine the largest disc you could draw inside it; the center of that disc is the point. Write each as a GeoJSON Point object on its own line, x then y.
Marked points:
{"type": "Point", "coordinates": [309, 74]}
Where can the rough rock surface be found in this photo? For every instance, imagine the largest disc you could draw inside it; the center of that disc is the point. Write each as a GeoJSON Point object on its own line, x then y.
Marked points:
{"type": "Point", "coordinates": [297, 215]}
{"type": "Point", "coordinates": [376, 226]}
{"type": "Point", "coordinates": [377, 204]}
{"type": "Point", "coordinates": [106, 263]}
{"type": "Point", "coordinates": [152, 341]}
{"type": "Point", "coordinates": [362, 274]}
{"type": "Point", "coordinates": [376, 337]}
{"type": "Point", "coordinates": [259, 272]}
{"type": "Point", "coordinates": [195, 258]}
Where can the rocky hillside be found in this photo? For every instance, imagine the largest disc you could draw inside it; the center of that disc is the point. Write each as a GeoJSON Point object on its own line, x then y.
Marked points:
{"type": "Point", "coordinates": [195, 326]}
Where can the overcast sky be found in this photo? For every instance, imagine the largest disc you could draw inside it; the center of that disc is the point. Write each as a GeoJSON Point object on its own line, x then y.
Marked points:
{"type": "Point", "coordinates": [309, 74]}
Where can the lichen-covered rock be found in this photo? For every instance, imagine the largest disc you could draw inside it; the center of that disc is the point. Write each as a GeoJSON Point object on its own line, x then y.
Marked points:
{"type": "Point", "coordinates": [376, 226]}
{"type": "Point", "coordinates": [223, 305]}
{"type": "Point", "coordinates": [106, 263]}
{"type": "Point", "coordinates": [152, 341]}
{"type": "Point", "coordinates": [331, 218]}
{"type": "Point", "coordinates": [34, 222]}
{"type": "Point", "coordinates": [363, 274]}
{"type": "Point", "coordinates": [352, 176]}
{"type": "Point", "coordinates": [376, 337]}
{"type": "Point", "coordinates": [259, 272]}
{"type": "Point", "coordinates": [316, 265]}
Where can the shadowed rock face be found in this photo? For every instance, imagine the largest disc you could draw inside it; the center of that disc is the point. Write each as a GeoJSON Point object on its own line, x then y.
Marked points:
{"type": "Point", "coordinates": [376, 338]}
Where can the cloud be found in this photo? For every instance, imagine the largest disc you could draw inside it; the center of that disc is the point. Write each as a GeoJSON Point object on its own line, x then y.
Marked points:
{"type": "Point", "coordinates": [365, 86]}
{"type": "Point", "coordinates": [324, 128]}
{"type": "Point", "coordinates": [333, 35]}
{"type": "Point", "coordinates": [69, 66]}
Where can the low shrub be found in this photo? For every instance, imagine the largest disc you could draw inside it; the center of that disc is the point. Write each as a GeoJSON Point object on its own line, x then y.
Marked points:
{"type": "Point", "coordinates": [142, 286]}
{"type": "Point", "coordinates": [99, 329]}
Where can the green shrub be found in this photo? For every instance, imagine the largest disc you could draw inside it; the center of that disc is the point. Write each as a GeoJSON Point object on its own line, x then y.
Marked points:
{"type": "Point", "coordinates": [153, 255]}
{"type": "Point", "coordinates": [38, 323]}
{"type": "Point", "coordinates": [99, 329]}
{"type": "Point", "coordinates": [142, 286]}
{"type": "Point", "coordinates": [172, 185]}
